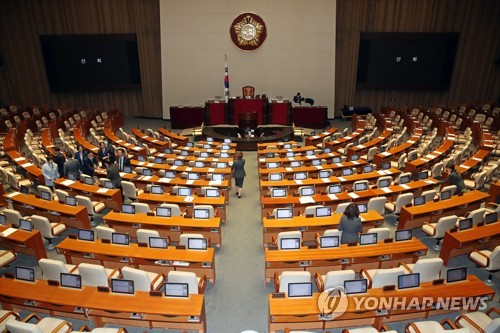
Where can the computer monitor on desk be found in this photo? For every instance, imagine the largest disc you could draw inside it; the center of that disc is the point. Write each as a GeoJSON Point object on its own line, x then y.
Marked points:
{"type": "Point", "coordinates": [128, 209]}
{"type": "Point", "coordinates": [109, 184]}
{"type": "Point", "coordinates": [290, 243]}
{"type": "Point", "coordinates": [314, 162]}
{"type": "Point", "coordinates": [177, 290]}
{"type": "Point", "coordinates": [324, 174]}
{"type": "Point", "coordinates": [334, 189]}
{"type": "Point", "coordinates": [120, 238]}
{"type": "Point", "coordinates": [456, 274]}
{"type": "Point", "coordinates": [354, 158]}
{"type": "Point", "coordinates": [272, 165]}
{"type": "Point", "coordinates": [158, 242]}
{"type": "Point", "coordinates": [302, 289]}
{"type": "Point", "coordinates": [157, 189]}
{"type": "Point", "coordinates": [327, 242]}
{"type": "Point", "coordinates": [406, 281]}
{"type": "Point", "coordinates": [71, 201]}
{"type": "Point", "coordinates": [284, 213]}
{"type": "Point", "coordinates": [178, 162]}
{"type": "Point", "coordinates": [368, 239]}
{"type": "Point", "coordinates": [218, 177]}
{"type": "Point", "coordinates": [89, 180]}
{"type": "Point", "coordinates": [275, 177]}
{"type": "Point", "coordinates": [360, 187]}
{"type": "Point", "coordinates": [386, 165]}
{"type": "Point", "coordinates": [193, 176]}
{"type": "Point", "coordinates": [212, 193]}
{"type": "Point", "coordinates": [347, 172]}
{"type": "Point", "coordinates": [423, 175]}
{"type": "Point", "coordinates": [363, 208]}
{"type": "Point", "coordinates": [158, 160]}
{"type": "Point", "coordinates": [72, 176]}
{"type": "Point", "coordinates": [25, 274]}
{"type": "Point", "coordinates": [368, 168]}
{"type": "Point", "coordinates": [24, 189]}
{"type": "Point", "coordinates": [73, 281]}
{"type": "Point", "coordinates": [3, 219]}
{"type": "Point", "coordinates": [204, 154]}
{"type": "Point", "coordinates": [337, 159]}
{"type": "Point", "coordinates": [419, 201]}
{"type": "Point", "coordinates": [307, 191]}
{"type": "Point", "coordinates": [86, 235]}
{"type": "Point", "coordinates": [141, 158]}
{"type": "Point", "coordinates": [327, 150]}
{"type": "Point", "coordinates": [491, 218]}
{"type": "Point", "coordinates": [45, 195]}
{"type": "Point", "coordinates": [169, 174]}
{"type": "Point", "coordinates": [295, 164]}
{"type": "Point", "coordinates": [445, 195]}
{"type": "Point", "coordinates": [403, 235]}
{"type": "Point", "coordinates": [184, 191]}
{"type": "Point", "coordinates": [125, 287]}
{"type": "Point", "coordinates": [224, 154]}
{"type": "Point", "coordinates": [323, 211]}
{"type": "Point", "coordinates": [355, 286]}
{"type": "Point", "coordinates": [197, 243]}
{"type": "Point", "coordinates": [404, 180]}
{"type": "Point", "coordinates": [465, 224]}
{"type": "Point", "coordinates": [290, 154]}
{"type": "Point", "coordinates": [127, 169]}
{"type": "Point", "coordinates": [300, 175]}
{"type": "Point", "coordinates": [147, 172]}
{"type": "Point", "coordinates": [25, 225]}
{"type": "Point", "coordinates": [278, 193]}
{"type": "Point", "coordinates": [201, 213]}
{"type": "Point", "coordinates": [163, 211]}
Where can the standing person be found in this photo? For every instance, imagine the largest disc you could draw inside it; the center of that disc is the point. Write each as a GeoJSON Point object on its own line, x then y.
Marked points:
{"type": "Point", "coordinates": [113, 174]}
{"type": "Point", "coordinates": [59, 159]}
{"type": "Point", "coordinates": [454, 178]}
{"type": "Point", "coordinates": [89, 164]}
{"type": "Point", "coordinates": [50, 173]}
{"type": "Point", "coordinates": [111, 151]}
{"type": "Point", "coordinates": [104, 154]}
{"type": "Point", "coordinates": [350, 224]}
{"type": "Point", "coordinates": [239, 173]}
{"type": "Point", "coordinates": [81, 155]}
{"type": "Point", "coordinates": [71, 166]}
{"type": "Point", "coordinates": [122, 159]}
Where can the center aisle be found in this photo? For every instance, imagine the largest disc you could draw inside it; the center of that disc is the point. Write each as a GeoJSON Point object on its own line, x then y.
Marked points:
{"type": "Point", "coordinates": [238, 301]}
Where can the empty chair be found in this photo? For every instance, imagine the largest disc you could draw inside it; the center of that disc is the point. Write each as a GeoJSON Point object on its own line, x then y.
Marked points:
{"type": "Point", "coordinates": [143, 235]}
{"type": "Point", "coordinates": [43, 325]}
{"type": "Point", "coordinates": [452, 188]}
{"type": "Point", "coordinates": [183, 240]}
{"type": "Point", "coordinates": [402, 200]}
{"type": "Point", "coordinates": [96, 275]}
{"type": "Point", "coordinates": [41, 188]}
{"type": "Point", "coordinates": [5, 317]}
{"type": "Point", "coordinates": [370, 154]}
{"type": "Point", "coordinates": [52, 269]}
{"type": "Point", "coordinates": [477, 182]}
{"type": "Point", "coordinates": [93, 207]}
{"type": "Point", "coordinates": [196, 285]}
{"type": "Point", "coordinates": [438, 229]}
{"type": "Point", "coordinates": [400, 163]}
{"type": "Point", "coordinates": [476, 215]}
{"type": "Point", "coordinates": [282, 281]}
{"type": "Point", "coordinates": [429, 195]}
{"type": "Point", "coordinates": [377, 204]}
{"type": "Point", "coordinates": [130, 191]}
{"type": "Point", "coordinates": [13, 216]}
{"type": "Point", "coordinates": [288, 234]}
{"type": "Point", "coordinates": [343, 151]}
{"type": "Point", "coordinates": [341, 207]}
{"type": "Point", "coordinates": [382, 232]}
{"type": "Point", "coordinates": [6, 257]}
{"type": "Point", "coordinates": [384, 179]}
{"type": "Point", "coordinates": [61, 195]}
{"type": "Point", "coordinates": [311, 210]}
{"type": "Point", "coordinates": [15, 182]}
{"type": "Point", "coordinates": [479, 322]}
{"type": "Point", "coordinates": [433, 326]}
{"type": "Point", "coordinates": [174, 209]}
{"type": "Point", "coordinates": [333, 279]}
{"type": "Point", "coordinates": [103, 232]}
{"type": "Point", "coordinates": [378, 278]}
{"type": "Point", "coordinates": [429, 268]}
{"type": "Point", "coordinates": [48, 230]}
{"type": "Point", "coordinates": [141, 207]}
{"type": "Point", "coordinates": [436, 170]}
{"type": "Point", "coordinates": [368, 329]}
{"type": "Point", "coordinates": [401, 175]}
{"type": "Point", "coordinates": [328, 233]}
{"type": "Point", "coordinates": [143, 281]}
{"type": "Point", "coordinates": [488, 260]}
{"type": "Point", "coordinates": [360, 184]}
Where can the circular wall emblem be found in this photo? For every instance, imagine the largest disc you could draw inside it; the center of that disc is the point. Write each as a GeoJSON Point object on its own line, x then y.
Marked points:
{"type": "Point", "coordinates": [248, 31]}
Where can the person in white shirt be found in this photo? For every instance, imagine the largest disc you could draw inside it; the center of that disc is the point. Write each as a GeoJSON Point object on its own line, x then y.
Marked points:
{"type": "Point", "coordinates": [50, 172]}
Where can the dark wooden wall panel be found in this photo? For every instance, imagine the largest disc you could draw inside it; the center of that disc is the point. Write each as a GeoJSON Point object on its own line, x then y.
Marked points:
{"type": "Point", "coordinates": [23, 78]}
{"type": "Point", "coordinates": [475, 75]}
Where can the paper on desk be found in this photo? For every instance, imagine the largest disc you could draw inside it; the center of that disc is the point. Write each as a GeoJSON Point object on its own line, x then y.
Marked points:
{"type": "Point", "coordinates": [340, 165]}
{"type": "Point", "coordinates": [203, 158]}
{"type": "Point", "coordinates": [361, 218]}
{"type": "Point", "coordinates": [429, 156]}
{"type": "Point", "coordinates": [406, 187]}
{"type": "Point", "coordinates": [102, 190]}
{"type": "Point", "coordinates": [325, 133]}
{"type": "Point", "coordinates": [13, 194]}
{"type": "Point", "coordinates": [427, 181]}
{"type": "Point", "coordinates": [211, 169]}
{"type": "Point", "coordinates": [214, 182]}
{"type": "Point", "coordinates": [333, 197]}
{"type": "Point", "coordinates": [305, 200]}
{"type": "Point", "coordinates": [310, 157]}
{"type": "Point", "coordinates": [291, 158]}
{"type": "Point", "coordinates": [262, 159]}
{"type": "Point", "coordinates": [325, 180]}
{"type": "Point", "coordinates": [17, 159]}
{"type": "Point", "coordinates": [68, 182]}
{"type": "Point", "coordinates": [465, 166]}
{"type": "Point", "coordinates": [424, 159]}
{"type": "Point", "coordinates": [360, 146]}
{"type": "Point", "coordinates": [210, 150]}
{"type": "Point", "coordinates": [386, 189]}
{"type": "Point", "coordinates": [411, 141]}
{"type": "Point", "coordinates": [298, 182]}
{"type": "Point", "coordinates": [477, 159]}
{"type": "Point", "coordinates": [381, 172]}
{"type": "Point", "coordinates": [8, 232]}
{"type": "Point", "coordinates": [342, 179]}
{"type": "Point", "coordinates": [181, 157]}
{"type": "Point", "coordinates": [319, 167]}
{"type": "Point", "coordinates": [146, 177]}
{"type": "Point", "coordinates": [347, 137]}
{"type": "Point", "coordinates": [355, 162]}
{"type": "Point", "coordinates": [164, 180]}
{"type": "Point", "coordinates": [331, 154]}
{"type": "Point", "coordinates": [173, 167]}
{"type": "Point", "coordinates": [188, 199]}
{"type": "Point", "coordinates": [151, 165]}
{"type": "Point", "coordinates": [190, 182]}
{"type": "Point", "coordinates": [161, 154]}
{"type": "Point", "coordinates": [385, 153]}
{"type": "Point", "coordinates": [353, 195]}
{"type": "Point", "coordinates": [186, 148]}
{"type": "Point", "coordinates": [121, 174]}
{"type": "Point", "coordinates": [189, 168]}
{"type": "Point", "coordinates": [289, 169]}
{"type": "Point", "coordinates": [316, 137]}
{"type": "Point", "coordinates": [25, 165]}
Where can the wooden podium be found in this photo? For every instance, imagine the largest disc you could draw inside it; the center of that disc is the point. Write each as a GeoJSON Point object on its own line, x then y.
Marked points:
{"type": "Point", "coordinates": [248, 105]}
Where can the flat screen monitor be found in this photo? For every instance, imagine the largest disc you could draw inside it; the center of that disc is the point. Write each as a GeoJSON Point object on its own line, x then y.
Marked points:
{"type": "Point", "coordinates": [368, 168]}
{"type": "Point", "coordinates": [184, 191]}
{"type": "Point", "coordinates": [178, 290]}
{"type": "Point", "coordinates": [197, 243]}
{"type": "Point", "coordinates": [178, 162]}
{"type": "Point", "coordinates": [404, 180]}
{"type": "Point", "coordinates": [163, 211]}
{"type": "Point", "coordinates": [278, 193]}
{"type": "Point", "coordinates": [300, 176]}
{"type": "Point", "coordinates": [347, 172]}
{"type": "Point", "coordinates": [86, 235]}
{"type": "Point", "coordinates": [275, 176]}
{"type": "Point", "coordinates": [309, 152]}
{"type": "Point", "coordinates": [25, 274]}
{"type": "Point", "coordinates": [360, 187]}
{"type": "Point", "coordinates": [334, 189]}
{"type": "Point", "coordinates": [45, 195]}
{"type": "Point", "coordinates": [217, 177]}
{"type": "Point", "coordinates": [158, 242]}
{"type": "Point", "coordinates": [287, 145]}
{"type": "Point", "coordinates": [122, 286]}
{"type": "Point", "coordinates": [403, 235]}
{"type": "Point", "coordinates": [71, 281]}
{"type": "Point", "coordinates": [89, 180]}
{"type": "Point", "coordinates": [355, 286]}
{"type": "Point", "coordinates": [127, 169]}
{"type": "Point", "coordinates": [323, 211]}
{"type": "Point", "coordinates": [24, 189]}
{"type": "Point", "coordinates": [456, 274]}
{"type": "Point", "coordinates": [445, 195]}
{"type": "Point", "coordinates": [491, 218]}
{"type": "Point", "coordinates": [199, 164]}
{"type": "Point", "coordinates": [324, 174]}
{"type": "Point", "coordinates": [207, 146]}
{"type": "Point", "coordinates": [368, 239]}
{"type": "Point", "coordinates": [147, 172]}
{"type": "Point", "coordinates": [326, 242]}
{"type": "Point", "coordinates": [109, 184]}
{"type": "Point", "coordinates": [25, 225]}
{"type": "Point", "coordinates": [419, 201]}
{"type": "Point", "coordinates": [465, 224]}
{"type": "Point", "coordinates": [128, 209]}
{"type": "Point", "coordinates": [184, 152]}
{"type": "Point", "coordinates": [157, 189]}
{"type": "Point", "coordinates": [384, 183]}
{"type": "Point", "coordinates": [190, 144]}
{"type": "Point", "coordinates": [314, 162]}
{"type": "Point", "coordinates": [212, 193]}
{"type": "Point", "coordinates": [3, 219]}
{"type": "Point", "coordinates": [307, 191]}
{"type": "Point", "coordinates": [354, 157]}
{"type": "Point", "coordinates": [70, 201]}
{"type": "Point", "coordinates": [269, 155]}
{"type": "Point", "coordinates": [284, 213]}
{"type": "Point", "coordinates": [386, 165]}
{"type": "Point", "coordinates": [301, 289]}
{"type": "Point", "coordinates": [290, 154]}
{"type": "Point", "coordinates": [224, 155]}
{"type": "Point", "coordinates": [272, 165]}
{"type": "Point", "coordinates": [406, 281]}
{"type": "Point", "coordinates": [221, 165]}
{"type": "Point", "coordinates": [170, 174]}
{"type": "Point", "coordinates": [363, 208]}
{"type": "Point", "coordinates": [423, 175]}
{"type": "Point", "coordinates": [120, 238]}
{"type": "Point", "coordinates": [327, 150]}
{"type": "Point", "coordinates": [226, 140]}
{"type": "Point", "coordinates": [141, 158]}
{"type": "Point", "coordinates": [383, 148]}
{"type": "Point", "coordinates": [295, 164]}
{"type": "Point", "coordinates": [337, 159]}
{"type": "Point", "coordinates": [204, 154]}
{"type": "Point", "coordinates": [210, 139]}
{"type": "Point", "coordinates": [158, 160]}
{"type": "Point", "coordinates": [290, 243]}
{"type": "Point", "coordinates": [72, 176]}
{"type": "Point", "coordinates": [201, 213]}
{"type": "Point", "coordinates": [167, 151]}
{"type": "Point", "coordinates": [225, 147]}
{"type": "Point", "coordinates": [139, 144]}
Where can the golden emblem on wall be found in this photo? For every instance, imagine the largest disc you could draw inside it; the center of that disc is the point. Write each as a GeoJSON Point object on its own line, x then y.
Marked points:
{"type": "Point", "coordinates": [248, 31]}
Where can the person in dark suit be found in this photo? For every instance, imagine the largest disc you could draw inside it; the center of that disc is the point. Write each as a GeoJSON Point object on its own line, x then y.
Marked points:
{"type": "Point", "coordinates": [80, 156]}
{"type": "Point", "coordinates": [89, 164]}
{"type": "Point", "coordinates": [239, 174]}
{"type": "Point", "coordinates": [121, 159]}
{"type": "Point", "coordinates": [59, 159]}
{"type": "Point", "coordinates": [113, 174]}
{"type": "Point", "coordinates": [71, 166]}
{"type": "Point", "coordinates": [104, 154]}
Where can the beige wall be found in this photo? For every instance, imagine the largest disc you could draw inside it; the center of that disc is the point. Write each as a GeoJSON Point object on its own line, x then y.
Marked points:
{"type": "Point", "coordinates": [298, 54]}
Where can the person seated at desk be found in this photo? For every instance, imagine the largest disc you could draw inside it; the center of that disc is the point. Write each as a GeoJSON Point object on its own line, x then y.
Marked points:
{"type": "Point", "coordinates": [454, 178]}
{"type": "Point", "coordinates": [350, 225]}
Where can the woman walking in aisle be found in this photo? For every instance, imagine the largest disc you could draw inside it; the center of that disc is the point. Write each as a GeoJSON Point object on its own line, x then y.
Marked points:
{"type": "Point", "coordinates": [239, 174]}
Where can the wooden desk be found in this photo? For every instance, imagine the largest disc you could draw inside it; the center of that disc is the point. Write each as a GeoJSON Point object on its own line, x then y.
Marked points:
{"type": "Point", "coordinates": [112, 198]}
{"type": "Point", "coordinates": [22, 241]}
{"type": "Point", "coordinates": [324, 260]}
{"type": "Point", "coordinates": [152, 142]}
{"type": "Point", "coordinates": [494, 192]}
{"type": "Point", "coordinates": [150, 259]}
{"type": "Point", "coordinates": [462, 242]}
{"type": "Point", "coordinates": [71, 216]}
{"type": "Point", "coordinates": [303, 313]}
{"type": "Point", "coordinates": [430, 159]}
{"type": "Point", "coordinates": [313, 140]}
{"type": "Point", "coordinates": [342, 142]}
{"type": "Point", "coordinates": [172, 227]}
{"type": "Point", "coordinates": [180, 169]}
{"type": "Point", "coordinates": [394, 152]}
{"type": "Point", "coordinates": [280, 144]}
{"type": "Point", "coordinates": [363, 148]}
{"type": "Point", "coordinates": [130, 148]}
{"type": "Point", "coordinates": [310, 226]}
{"type": "Point", "coordinates": [414, 217]}
{"type": "Point", "coordinates": [312, 169]}
{"type": "Point", "coordinates": [305, 159]}
{"type": "Point", "coordinates": [103, 308]}
{"type": "Point", "coordinates": [79, 136]}
{"type": "Point", "coordinates": [468, 165]}
{"type": "Point", "coordinates": [47, 141]}
{"type": "Point", "coordinates": [282, 151]}
{"type": "Point", "coordinates": [10, 146]}
{"type": "Point", "coordinates": [174, 137]}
